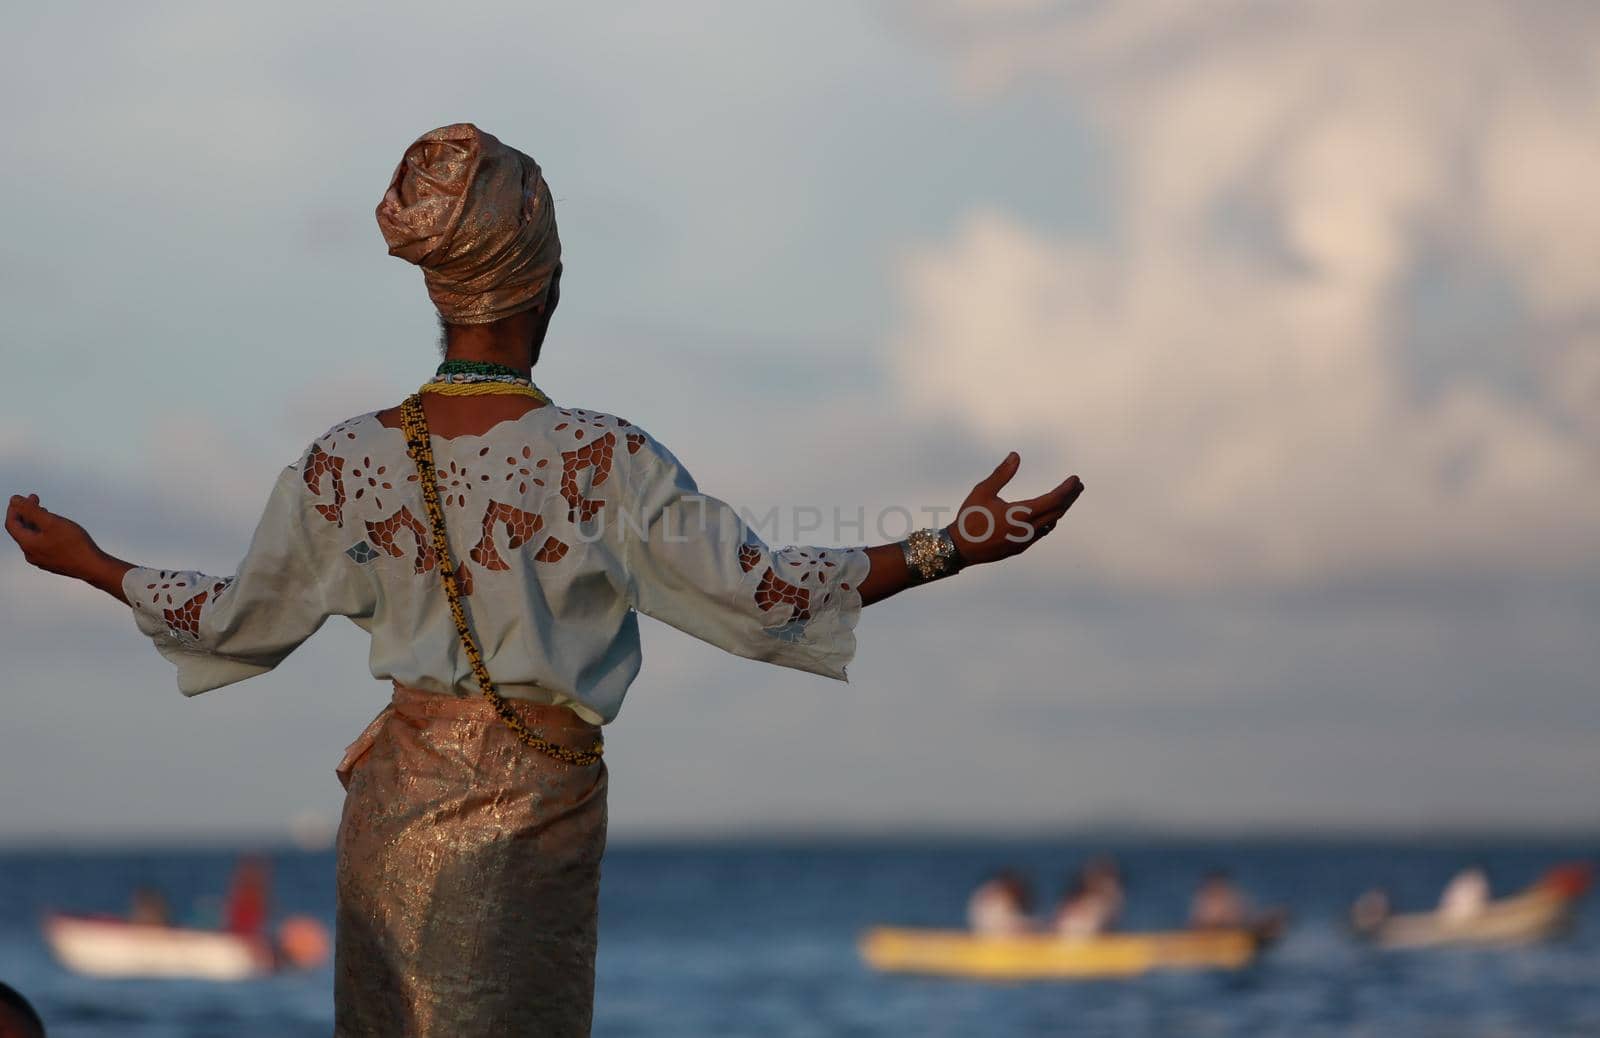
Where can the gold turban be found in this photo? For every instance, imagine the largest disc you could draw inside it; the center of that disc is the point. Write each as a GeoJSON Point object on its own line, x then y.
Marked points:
{"type": "Point", "coordinates": [476, 216]}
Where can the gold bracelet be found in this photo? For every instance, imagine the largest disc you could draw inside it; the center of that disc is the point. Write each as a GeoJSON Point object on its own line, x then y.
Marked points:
{"type": "Point", "coordinates": [930, 555]}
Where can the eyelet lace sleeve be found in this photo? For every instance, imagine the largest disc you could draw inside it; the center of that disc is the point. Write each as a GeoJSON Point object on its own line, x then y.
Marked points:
{"type": "Point", "coordinates": [694, 564]}
{"type": "Point", "coordinates": [218, 630]}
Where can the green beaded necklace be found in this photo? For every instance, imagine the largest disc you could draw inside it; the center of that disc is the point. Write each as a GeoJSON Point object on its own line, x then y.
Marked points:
{"type": "Point", "coordinates": [478, 367]}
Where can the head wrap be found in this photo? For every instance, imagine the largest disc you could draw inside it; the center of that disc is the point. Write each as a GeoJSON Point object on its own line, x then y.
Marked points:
{"type": "Point", "coordinates": [476, 216]}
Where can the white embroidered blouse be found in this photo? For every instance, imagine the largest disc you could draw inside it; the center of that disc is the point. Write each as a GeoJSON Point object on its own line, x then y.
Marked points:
{"type": "Point", "coordinates": [563, 522]}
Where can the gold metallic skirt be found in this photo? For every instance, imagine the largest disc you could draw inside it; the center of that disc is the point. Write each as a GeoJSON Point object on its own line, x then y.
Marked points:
{"type": "Point", "coordinates": [469, 874]}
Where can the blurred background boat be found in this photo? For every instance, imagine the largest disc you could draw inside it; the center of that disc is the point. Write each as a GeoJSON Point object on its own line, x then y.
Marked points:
{"type": "Point", "coordinates": [147, 944]}
{"type": "Point", "coordinates": [957, 953]}
{"type": "Point", "coordinates": [115, 948]}
{"type": "Point", "coordinates": [1543, 911]}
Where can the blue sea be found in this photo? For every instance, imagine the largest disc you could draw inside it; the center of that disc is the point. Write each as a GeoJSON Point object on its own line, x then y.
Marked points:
{"type": "Point", "coordinates": [759, 940]}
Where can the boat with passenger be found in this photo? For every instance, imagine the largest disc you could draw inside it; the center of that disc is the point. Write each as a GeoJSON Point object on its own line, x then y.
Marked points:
{"type": "Point", "coordinates": [1048, 956]}
{"type": "Point", "coordinates": [1541, 912]}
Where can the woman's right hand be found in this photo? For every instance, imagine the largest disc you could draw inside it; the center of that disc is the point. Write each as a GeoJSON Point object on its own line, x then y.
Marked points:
{"type": "Point", "coordinates": [51, 542]}
{"type": "Point", "coordinates": [989, 528]}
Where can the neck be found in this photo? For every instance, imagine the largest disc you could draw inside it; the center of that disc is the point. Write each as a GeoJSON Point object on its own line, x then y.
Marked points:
{"type": "Point", "coordinates": [508, 341]}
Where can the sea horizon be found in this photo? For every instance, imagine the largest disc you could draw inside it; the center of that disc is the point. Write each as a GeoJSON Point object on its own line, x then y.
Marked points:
{"type": "Point", "coordinates": [278, 841]}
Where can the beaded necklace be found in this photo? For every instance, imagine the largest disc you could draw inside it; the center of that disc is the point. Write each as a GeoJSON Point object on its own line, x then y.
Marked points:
{"type": "Point", "coordinates": [477, 367]}
{"type": "Point", "coordinates": [481, 378]}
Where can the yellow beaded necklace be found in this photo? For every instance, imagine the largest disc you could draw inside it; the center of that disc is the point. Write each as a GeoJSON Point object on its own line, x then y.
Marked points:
{"type": "Point", "coordinates": [420, 446]}
{"type": "Point", "coordinates": [483, 389]}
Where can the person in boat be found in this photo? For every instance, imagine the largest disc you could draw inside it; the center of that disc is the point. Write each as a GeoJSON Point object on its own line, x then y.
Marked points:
{"type": "Point", "coordinates": [1080, 912]}
{"type": "Point", "coordinates": [245, 911]}
{"type": "Point", "coordinates": [18, 1018]}
{"type": "Point", "coordinates": [1092, 899]}
{"type": "Point", "coordinates": [1002, 905]}
{"type": "Point", "coordinates": [1103, 876]}
{"type": "Point", "coordinates": [1371, 910]}
{"type": "Point", "coordinates": [1466, 895]}
{"type": "Point", "coordinates": [1218, 904]}
{"type": "Point", "coordinates": [497, 546]}
{"type": "Point", "coordinates": [300, 942]}
{"type": "Point", "coordinates": [149, 908]}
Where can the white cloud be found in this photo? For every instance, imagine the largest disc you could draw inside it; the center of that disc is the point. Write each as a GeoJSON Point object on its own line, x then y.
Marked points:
{"type": "Point", "coordinates": [1230, 370]}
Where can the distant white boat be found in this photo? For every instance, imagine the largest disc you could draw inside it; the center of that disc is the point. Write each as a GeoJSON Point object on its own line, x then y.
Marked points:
{"type": "Point", "coordinates": [106, 947]}
{"type": "Point", "coordinates": [1543, 911]}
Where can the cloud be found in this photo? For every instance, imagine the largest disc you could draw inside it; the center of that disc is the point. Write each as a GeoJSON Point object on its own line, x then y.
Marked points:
{"type": "Point", "coordinates": [1346, 320]}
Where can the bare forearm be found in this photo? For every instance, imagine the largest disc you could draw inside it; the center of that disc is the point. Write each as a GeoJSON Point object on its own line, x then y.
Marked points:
{"type": "Point", "coordinates": [106, 572]}
{"type": "Point", "coordinates": [888, 575]}
{"type": "Point", "coordinates": [895, 567]}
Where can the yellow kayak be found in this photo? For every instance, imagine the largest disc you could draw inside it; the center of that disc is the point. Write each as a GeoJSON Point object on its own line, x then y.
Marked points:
{"type": "Point", "coordinates": [958, 953]}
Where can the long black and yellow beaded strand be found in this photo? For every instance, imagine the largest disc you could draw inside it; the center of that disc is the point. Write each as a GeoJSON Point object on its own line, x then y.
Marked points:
{"type": "Point", "coordinates": [420, 447]}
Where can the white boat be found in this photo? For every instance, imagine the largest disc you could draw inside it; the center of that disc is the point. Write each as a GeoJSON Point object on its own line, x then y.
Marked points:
{"type": "Point", "coordinates": [1543, 911]}
{"type": "Point", "coordinates": [105, 947]}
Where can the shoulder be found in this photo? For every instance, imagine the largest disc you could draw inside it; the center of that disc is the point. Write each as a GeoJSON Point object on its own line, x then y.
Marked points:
{"type": "Point", "coordinates": [580, 427]}
{"type": "Point", "coordinates": [590, 439]}
{"type": "Point", "coordinates": [606, 440]}
{"type": "Point", "coordinates": [343, 438]}
{"type": "Point", "coordinates": [339, 468]}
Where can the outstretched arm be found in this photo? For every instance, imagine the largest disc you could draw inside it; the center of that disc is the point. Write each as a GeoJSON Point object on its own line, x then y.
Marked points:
{"type": "Point", "coordinates": [987, 529]}
{"type": "Point", "coordinates": [697, 565]}
{"type": "Point", "coordinates": [216, 630]}
{"type": "Point", "coordinates": [56, 544]}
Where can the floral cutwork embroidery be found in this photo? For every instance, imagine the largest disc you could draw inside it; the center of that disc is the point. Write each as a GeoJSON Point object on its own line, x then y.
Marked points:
{"type": "Point", "coordinates": [370, 475]}
{"type": "Point", "coordinates": [525, 468]}
{"type": "Point", "coordinates": [804, 573]}
{"type": "Point", "coordinates": [773, 592]}
{"type": "Point", "coordinates": [186, 618]}
{"type": "Point", "coordinates": [455, 482]}
{"type": "Point", "coordinates": [578, 420]}
{"type": "Point", "coordinates": [320, 463]}
{"type": "Point", "coordinates": [552, 550]}
{"type": "Point", "coordinates": [596, 455]}
{"type": "Point", "coordinates": [520, 528]}
{"type": "Point", "coordinates": [338, 482]}
{"type": "Point", "coordinates": [169, 583]}
{"type": "Point", "coordinates": [382, 535]}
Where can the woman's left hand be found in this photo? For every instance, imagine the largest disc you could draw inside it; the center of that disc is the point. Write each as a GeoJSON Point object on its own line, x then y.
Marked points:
{"type": "Point", "coordinates": [989, 528]}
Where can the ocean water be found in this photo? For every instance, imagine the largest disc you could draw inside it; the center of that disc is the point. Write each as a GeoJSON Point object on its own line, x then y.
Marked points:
{"type": "Point", "coordinates": [759, 940]}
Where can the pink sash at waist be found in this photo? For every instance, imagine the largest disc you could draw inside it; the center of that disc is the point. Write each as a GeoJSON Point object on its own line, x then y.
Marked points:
{"type": "Point", "coordinates": [420, 709]}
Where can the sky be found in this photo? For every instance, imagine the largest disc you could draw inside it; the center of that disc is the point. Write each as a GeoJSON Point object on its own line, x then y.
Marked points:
{"type": "Point", "coordinates": [1308, 294]}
